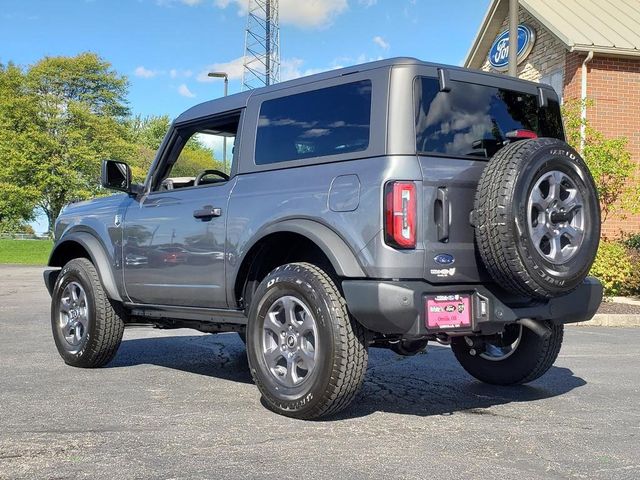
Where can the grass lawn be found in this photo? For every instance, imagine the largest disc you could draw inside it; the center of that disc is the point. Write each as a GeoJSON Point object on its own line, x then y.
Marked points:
{"type": "Point", "coordinates": [26, 252]}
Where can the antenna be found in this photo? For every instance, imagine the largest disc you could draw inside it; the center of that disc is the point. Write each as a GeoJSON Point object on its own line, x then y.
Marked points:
{"type": "Point", "coordinates": [261, 45]}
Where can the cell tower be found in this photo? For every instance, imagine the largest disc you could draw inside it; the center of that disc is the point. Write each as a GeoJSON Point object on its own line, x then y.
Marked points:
{"type": "Point", "coordinates": [261, 45]}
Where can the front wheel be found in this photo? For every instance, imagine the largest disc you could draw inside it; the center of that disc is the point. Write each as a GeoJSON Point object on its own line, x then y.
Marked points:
{"type": "Point", "coordinates": [306, 355]}
{"type": "Point", "coordinates": [516, 356]}
{"type": "Point", "coordinates": [87, 326]}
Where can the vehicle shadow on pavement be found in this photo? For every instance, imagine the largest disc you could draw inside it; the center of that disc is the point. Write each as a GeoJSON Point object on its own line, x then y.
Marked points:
{"type": "Point", "coordinates": [427, 384]}
{"type": "Point", "coordinates": [220, 356]}
{"type": "Point", "coordinates": [433, 383]}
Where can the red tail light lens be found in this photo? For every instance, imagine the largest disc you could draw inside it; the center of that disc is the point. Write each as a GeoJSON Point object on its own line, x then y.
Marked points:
{"type": "Point", "coordinates": [521, 134]}
{"type": "Point", "coordinates": [400, 214]}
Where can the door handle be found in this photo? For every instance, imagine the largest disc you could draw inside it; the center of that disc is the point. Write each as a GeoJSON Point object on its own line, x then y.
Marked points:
{"type": "Point", "coordinates": [441, 214]}
{"type": "Point", "coordinates": [207, 212]}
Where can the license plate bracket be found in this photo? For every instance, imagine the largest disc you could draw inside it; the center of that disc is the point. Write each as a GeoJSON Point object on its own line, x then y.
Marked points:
{"type": "Point", "coordinates": [451, 311]}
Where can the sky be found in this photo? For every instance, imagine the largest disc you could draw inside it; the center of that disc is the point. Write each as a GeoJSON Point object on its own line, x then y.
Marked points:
{"type": "Point", "coordinates": [166, 47]}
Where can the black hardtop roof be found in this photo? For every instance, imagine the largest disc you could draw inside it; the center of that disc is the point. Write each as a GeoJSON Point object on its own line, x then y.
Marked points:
{"type": "Point", "coordinates": [237, 101]}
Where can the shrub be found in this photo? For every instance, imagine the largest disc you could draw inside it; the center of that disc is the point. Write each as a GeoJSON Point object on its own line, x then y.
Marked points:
{"type": "Point", "coordinates": [633, 241]}
{"type": "Point", "coordinates": [609, 161]}
{"type": "Point", "coordinates": [632, 286]}
{"type": "Point", "coordinates": [612, 267]}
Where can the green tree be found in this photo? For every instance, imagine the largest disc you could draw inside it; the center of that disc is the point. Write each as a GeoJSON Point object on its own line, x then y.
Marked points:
{"type": "Point", "coordinates": [148, 132]}
{"type": "Point", "coordinates": [608, 159]}
{"type": "Point", "coordinates": [17, 201]}
{"type": "Point", "coordinates": [194, 158]}
{"type": "Point", "coordinates": [58, 119]}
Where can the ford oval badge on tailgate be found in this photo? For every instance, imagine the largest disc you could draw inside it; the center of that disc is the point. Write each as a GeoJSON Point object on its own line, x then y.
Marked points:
{"type": "Point", "coordinates": [444, 259]}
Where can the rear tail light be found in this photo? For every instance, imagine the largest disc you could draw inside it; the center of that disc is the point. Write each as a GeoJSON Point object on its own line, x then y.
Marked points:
{"type": "Point", "coordinates": [400, 214]}
{"type": "Point", "coordinates": [521, 134]}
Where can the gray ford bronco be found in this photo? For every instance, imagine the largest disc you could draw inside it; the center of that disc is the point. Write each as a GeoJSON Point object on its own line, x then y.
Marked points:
{"type": "Point", "coordinates": [384, 205]}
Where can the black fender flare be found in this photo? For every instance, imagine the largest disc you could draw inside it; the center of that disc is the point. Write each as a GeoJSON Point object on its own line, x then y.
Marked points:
{"type": "Point", "coordinates": [98, 256]}
{"type": "Point", "coordinates": [342, 258]}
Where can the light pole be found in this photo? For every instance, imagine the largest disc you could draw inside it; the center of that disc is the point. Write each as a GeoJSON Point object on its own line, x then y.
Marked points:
{"type": "Point", "coordinates": [513, 38]}
{"type": "Point", "coordinates": [226, 90]}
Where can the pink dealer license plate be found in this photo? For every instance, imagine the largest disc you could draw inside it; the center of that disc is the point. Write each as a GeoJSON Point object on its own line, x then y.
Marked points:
{"type": "Point", "coordinates": [448, 311]}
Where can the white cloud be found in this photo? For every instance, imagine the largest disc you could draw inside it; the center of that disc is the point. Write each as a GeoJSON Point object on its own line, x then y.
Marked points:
{"type": "Point", "coordinates": [145, 72]}
{"type": "Point", "coordinates": [381, 42]}
{"type": "Point", "coordinates": [367, 3]}
{"type": "Point", "coordinates": [301, 13]}
{"type": "Point", "coordinates": [232, 68]}
{"type": "Point", "coordinates": [290, 68]}
{"type": "Point", "coordinates": [185, 92]}
{"type": "Point", "coordinates": [177, 73]}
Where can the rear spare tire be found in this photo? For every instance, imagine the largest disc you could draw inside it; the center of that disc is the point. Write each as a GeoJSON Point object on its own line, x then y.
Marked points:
{"type": "Point", "coordinates": [537, 218]}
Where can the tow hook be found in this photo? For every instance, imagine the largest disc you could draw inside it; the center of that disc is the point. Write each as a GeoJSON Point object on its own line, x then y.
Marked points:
{"type": "Point", "coordinates": [536, 327]}
{"type": "Point", "coordinates": [476, 345]}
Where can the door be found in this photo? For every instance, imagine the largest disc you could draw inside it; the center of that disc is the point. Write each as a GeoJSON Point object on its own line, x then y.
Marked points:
{"type": "Point", "coordinates": [175, 235]}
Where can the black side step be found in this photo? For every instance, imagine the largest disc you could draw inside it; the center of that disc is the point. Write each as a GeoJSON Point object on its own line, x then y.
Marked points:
{"type": "Point", "coordinates": [196, 314]}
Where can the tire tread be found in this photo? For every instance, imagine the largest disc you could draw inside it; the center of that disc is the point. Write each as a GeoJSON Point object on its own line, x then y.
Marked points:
{"type": "Point", "coordinates": [351, 356]}
{"type": "Point", "coordinates": [108, 320]}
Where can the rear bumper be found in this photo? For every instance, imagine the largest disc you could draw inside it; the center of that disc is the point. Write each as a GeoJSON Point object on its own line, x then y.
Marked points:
{"type": "Point", "coordinates": [397, 307]}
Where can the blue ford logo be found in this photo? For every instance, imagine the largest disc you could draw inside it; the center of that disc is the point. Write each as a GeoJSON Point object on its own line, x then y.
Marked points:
{"type": "Point", "coordinates": [444, 259]}
{"type": "Point", "coordinates": [499, 53]}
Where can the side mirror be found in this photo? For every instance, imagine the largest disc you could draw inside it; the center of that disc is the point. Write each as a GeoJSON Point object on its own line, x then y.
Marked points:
{"type": "Point", "coordinates": [116, 176]}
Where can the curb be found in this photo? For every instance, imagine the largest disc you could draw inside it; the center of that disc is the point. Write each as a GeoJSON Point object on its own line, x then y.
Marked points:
{"type": "Point", "coordinates": [627, 300]}
{"type": "Point", "coordinates": [611, 320]}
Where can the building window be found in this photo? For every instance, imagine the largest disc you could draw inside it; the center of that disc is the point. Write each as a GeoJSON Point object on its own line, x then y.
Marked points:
{"type": "Point", "coordinates": [555, 80]}
{"type": "Point", "coordinates": [328, 121]}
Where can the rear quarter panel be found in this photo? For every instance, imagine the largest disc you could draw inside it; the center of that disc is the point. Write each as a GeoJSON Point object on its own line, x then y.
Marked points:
{"type": "Point", "coordinates": [260, 200]}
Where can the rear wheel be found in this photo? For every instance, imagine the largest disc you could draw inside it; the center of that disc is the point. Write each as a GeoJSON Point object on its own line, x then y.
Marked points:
{"type": "Point", "coordinates": [306, 355]}
{"type": "Point", "coordinates": [87, 326]}
{"type": "Point", "coordinates": [516, 356]}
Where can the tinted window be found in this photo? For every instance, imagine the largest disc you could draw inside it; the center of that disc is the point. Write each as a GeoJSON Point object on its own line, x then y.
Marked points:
{"type": "Point", "coordinates": [328, 121]}
{"type": "Point", "coordinates": [475, 119]}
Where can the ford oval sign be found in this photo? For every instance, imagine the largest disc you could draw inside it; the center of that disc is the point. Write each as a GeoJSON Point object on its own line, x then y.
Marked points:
{"type": "Point", "coordinates": [444, 259]}
{"type": "Point", "coordinates": [499, 53]}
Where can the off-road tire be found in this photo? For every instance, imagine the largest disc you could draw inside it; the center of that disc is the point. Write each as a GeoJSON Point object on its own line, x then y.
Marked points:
{"type": "Point", "coordinates": [341, 347]}
{"type": "Point", "coordinates": [531, 359]}
{"type": "Point", "coordinates": [501, 216]}
{"type": "Point", "coordinates": [105, 318]}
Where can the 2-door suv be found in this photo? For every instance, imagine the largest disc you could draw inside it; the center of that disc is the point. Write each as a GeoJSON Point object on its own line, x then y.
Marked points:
{"type": "Point", "coordinates": [388, 204]}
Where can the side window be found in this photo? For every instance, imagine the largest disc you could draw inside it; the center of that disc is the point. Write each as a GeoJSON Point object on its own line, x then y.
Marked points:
{"type": "Point", "coordinates": [199, 150]}
{"type": "Point", "coordinates": [328, 121]}
{"type": "Point", "coordinates": [476, 120]}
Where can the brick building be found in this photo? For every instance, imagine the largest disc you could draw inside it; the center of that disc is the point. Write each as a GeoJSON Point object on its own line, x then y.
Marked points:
{"type": "Point", "coordinates": [584, 49]}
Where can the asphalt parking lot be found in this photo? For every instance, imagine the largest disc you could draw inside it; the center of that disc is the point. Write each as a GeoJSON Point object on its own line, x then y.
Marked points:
{"type": "Point", "coordinates": [180, 404]}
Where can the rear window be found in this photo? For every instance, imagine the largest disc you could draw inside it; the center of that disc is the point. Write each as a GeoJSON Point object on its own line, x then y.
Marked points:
{"type": "Point", "coordinates": [328, 121]}
{"type": "Point", "coordinates": [474, 119]}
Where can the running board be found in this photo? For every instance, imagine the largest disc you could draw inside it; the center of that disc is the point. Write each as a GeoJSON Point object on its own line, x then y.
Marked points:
{"type": "Point", "coordinates": [197, 314]}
